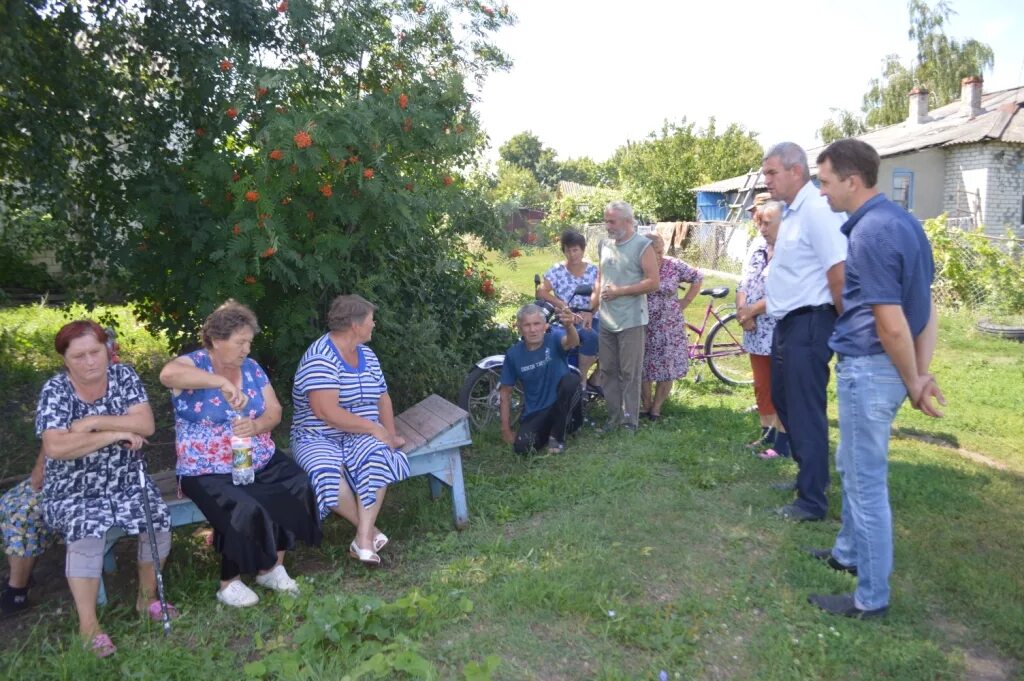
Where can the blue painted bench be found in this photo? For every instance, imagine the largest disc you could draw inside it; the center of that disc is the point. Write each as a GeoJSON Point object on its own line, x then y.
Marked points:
{"type": "Point", "coordinates": [434, 429]}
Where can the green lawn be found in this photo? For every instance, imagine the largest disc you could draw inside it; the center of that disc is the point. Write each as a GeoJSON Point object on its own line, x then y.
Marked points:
{"type": "Point", "coordinates": [621, 559]}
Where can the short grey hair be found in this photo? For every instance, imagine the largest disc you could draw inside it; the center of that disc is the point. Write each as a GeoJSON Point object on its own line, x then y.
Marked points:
{"type": "Point", "coordinates": [790, 154]}
{"type": "Point", "coordinates": [527, 310]}
{"type": "Point", "coordinates": [347, 310]}
{"type": "Point", "coordinates": [774, 206]}
{"type": "Point", "coordinates": [622, 208]}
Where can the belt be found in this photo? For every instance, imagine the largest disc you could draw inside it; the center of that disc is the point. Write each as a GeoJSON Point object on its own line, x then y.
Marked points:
{"type": "Point", "coordinates": [812, 308]}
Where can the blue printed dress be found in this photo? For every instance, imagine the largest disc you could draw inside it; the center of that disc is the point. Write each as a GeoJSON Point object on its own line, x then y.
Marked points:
{"type": "Point", "coordinates": [87, 496]}
{"type": "Point", "coordinates": [325, 452]}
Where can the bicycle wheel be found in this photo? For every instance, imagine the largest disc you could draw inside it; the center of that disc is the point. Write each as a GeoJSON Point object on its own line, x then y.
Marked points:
{"type": "Point", "coordinates": [725, 355]}
{"type": "Point", "coordinates": [479, 396]}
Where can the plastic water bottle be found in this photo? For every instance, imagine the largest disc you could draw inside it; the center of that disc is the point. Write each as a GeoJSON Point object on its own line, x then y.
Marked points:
{"type": "Point", "coordinates": [242, 472]}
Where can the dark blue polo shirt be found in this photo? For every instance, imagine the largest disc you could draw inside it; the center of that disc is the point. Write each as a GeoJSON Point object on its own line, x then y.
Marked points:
{"type": "Point", "coordinates": [889, 262]}
{"type": "Point", "coordinates": [538, 370]}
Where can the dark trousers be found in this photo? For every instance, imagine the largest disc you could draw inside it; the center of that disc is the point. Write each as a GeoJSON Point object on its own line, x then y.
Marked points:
{"type": "Point", "coordinates": [554, 422]}
{"type": "Point", "coordinates": [800, 357]}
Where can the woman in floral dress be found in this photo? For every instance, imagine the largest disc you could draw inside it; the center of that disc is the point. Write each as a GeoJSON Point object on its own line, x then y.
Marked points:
{"type": "Point", "coordinates": [558, 286]}
{"type": "Point", "coordinates": [219, 392]}
{"type": "Point", "coordinates": [665, 354]}
{"type": "Point", "coordinates": [758, 326]}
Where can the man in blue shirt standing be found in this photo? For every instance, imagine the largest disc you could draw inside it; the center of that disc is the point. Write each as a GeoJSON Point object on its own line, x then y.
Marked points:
{"type": "Point", "coordinates": [551, 390]}
{"type": "Point", "coordinates": [803, 291]}
{"type": "Point", "coordinates": [884, 339]}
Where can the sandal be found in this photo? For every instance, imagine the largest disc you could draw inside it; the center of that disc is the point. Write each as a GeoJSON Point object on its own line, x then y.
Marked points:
{"type": "Point", "coordinates": [364, 556]}
{"type": "Point", "coordinates": [380, 540]}
{"type": "Point", "coordinates": [156, 613]}
{"type": "Point", "coordinates": [768, 454]}
{"type": "Point", "coordinates": [101, 646]}
{"type": "Point", "coordinates": [555, 447]}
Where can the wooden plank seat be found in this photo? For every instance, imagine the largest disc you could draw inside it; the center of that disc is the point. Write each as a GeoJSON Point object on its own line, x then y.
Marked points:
{"type": "Point", "coordinates": [434, 429]}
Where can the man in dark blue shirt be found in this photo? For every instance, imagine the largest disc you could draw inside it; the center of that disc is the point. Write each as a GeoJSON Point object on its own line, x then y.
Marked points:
{"type": "Point", "coordinates": [551, 390]}
{"type": "Point", "coordinates": [884, 339]}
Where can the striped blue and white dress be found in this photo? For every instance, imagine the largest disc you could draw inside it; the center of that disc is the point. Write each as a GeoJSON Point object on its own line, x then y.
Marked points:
{"type": "Point", "coordinates": [324, 452]}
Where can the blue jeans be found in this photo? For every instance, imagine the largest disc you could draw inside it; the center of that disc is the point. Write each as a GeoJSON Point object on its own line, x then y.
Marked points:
{"type": "Point", "coordinates": [870, 393]}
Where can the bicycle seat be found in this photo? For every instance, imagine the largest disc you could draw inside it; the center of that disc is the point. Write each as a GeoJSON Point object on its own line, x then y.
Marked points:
{"type": "Point", "coordinates": [716, 292]}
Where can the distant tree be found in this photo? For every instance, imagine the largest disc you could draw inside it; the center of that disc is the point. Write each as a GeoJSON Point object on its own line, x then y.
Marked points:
{"type": "Point", "coordinates": [527, 151]}
{"type": "Point", "coordinates": [517, 186]}
{"type": "Point", "coordinates": [658, 174]}
{"type": "Point", "coordinates": [586, 170]}
{"type": "Point", "coordinates": [843, 123]}
{"type": "Point", "coordinates": [940, 64]}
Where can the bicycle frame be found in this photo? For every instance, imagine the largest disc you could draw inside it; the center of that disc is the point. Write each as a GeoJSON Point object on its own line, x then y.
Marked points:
{"type": "Point", "coordinates": [695, 350]}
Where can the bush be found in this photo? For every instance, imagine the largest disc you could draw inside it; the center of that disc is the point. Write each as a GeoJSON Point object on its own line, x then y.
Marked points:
{"type": "Point", "coordinates": [973, 271]}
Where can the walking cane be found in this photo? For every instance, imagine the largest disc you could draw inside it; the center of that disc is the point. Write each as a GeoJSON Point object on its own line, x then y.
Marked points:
{"type": "Point", "coordinates": [166, 615]}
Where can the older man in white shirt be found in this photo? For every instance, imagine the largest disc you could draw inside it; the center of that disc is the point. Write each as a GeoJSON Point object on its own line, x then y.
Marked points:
{"type": "Point", "coordinates": [804, 293]}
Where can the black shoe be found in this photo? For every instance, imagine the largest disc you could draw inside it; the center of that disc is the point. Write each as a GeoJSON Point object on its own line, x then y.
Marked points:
{"type": "Point", "coordinates": [783, 486]}
{"type": "Point", "coordinates": [825, 556]}
{"type": "Point", "coordinates": [794, 512]}
{"type": "Point", "coordinates": [13, 601]}
{"type": "Point", "coordinates": [843, 604]}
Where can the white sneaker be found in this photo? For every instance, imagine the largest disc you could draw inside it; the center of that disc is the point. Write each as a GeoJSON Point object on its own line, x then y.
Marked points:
{"type": "Point", "coordinates": [237, 595]}
{"type": "Point", "coordinates": [278, 580]}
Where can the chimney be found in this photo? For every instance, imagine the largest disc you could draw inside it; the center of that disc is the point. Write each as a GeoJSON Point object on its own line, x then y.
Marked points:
{"type": "Point", "coordinates": [970, 96]}
{"type": "Point", "coordinates": [918, 106]}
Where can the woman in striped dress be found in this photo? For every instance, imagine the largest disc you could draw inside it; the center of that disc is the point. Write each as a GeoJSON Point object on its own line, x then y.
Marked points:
{"type": "Point", "coordinates": [344, 424]}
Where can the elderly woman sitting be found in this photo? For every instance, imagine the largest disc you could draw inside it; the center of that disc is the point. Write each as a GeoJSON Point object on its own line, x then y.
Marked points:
{"type": "Point", "coordinates": [218, 393]}
{"type": "Point", "coordinates": [344, 424]}
{"type": "Point", "coordinates": [92, 417]}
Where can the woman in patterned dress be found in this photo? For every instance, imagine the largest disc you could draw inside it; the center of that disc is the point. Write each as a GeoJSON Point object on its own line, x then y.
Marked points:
{"type": "Point", "coordinates": [665, 354]}
{"type": "Point", "coordinates": [92, 418]}
{"type": "Point", "coordinates": [758, 326]}
{"type": "Point", "coordinates": [558, 286]}
{"type": "Point", "coordinates": [343, 431]}
{"type": "Point", "coordinates": [219, 392]}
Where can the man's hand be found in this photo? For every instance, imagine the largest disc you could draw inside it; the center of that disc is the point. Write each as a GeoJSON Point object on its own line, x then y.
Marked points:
{"type": "Point", "coordinates": [922, 391]}
{"type": "Point", "coordinates": [566, 316]}
{"type": "Point", "coordinates": [508, 436]}
{"type": "Point", "coordinates": [609, 292]}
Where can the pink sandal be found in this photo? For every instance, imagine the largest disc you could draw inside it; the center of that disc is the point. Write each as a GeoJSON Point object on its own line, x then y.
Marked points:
{"type": "Point", "coordinates": [768, 454]}
{"type": "Point", "coordinates": [157, 615]}
{"type": "Point", "coordinates": [102, 646]}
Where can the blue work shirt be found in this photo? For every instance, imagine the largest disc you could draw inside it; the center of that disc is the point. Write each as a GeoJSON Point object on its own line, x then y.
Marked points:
{"type": "Point", "coordinates": [538, 370]}
{"type": "Point", "coordinates": [889, 262]}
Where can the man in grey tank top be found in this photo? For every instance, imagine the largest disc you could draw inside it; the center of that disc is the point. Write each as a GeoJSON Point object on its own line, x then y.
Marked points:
{"type": "Point", "coordinates": [628, 272]}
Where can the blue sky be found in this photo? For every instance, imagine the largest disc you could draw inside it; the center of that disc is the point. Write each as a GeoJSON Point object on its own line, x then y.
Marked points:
{"type": "Point", "coordinates": [590, 75]}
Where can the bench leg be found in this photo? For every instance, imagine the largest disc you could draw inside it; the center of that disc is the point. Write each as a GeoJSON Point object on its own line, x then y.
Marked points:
{"type": "Point", "coordinates": [460, 511]}
{"type": "Point", "coordinates": [436, 486]}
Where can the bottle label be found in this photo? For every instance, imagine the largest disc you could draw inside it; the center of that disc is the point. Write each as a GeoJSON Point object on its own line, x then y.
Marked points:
{"type": "Point", "coordinates": [241, 452]}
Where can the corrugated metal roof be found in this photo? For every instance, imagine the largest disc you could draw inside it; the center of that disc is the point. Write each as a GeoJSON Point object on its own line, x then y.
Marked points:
{"type": "Point", "coordinates": [574, 189]}
{"type": "Point", "coordinates": [732, 184]}
{"type": "Point", "coordinates": [1002, 119]}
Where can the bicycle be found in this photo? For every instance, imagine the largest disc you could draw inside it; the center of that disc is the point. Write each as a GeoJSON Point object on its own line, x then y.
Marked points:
{"type": "Point", "coordinates": [723, 350]}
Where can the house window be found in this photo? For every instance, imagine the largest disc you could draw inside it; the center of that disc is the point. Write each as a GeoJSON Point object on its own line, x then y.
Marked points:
{"type": "Point", "coordinates": [903, 188]}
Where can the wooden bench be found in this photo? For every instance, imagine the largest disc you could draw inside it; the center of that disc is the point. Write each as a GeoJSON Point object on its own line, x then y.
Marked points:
{"type": "Point", "coordinates": [434, 429]}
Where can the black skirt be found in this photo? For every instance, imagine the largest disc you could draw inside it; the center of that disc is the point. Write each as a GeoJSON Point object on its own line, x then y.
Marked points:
{"type": "Point", "coordinates": [253, 522]}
